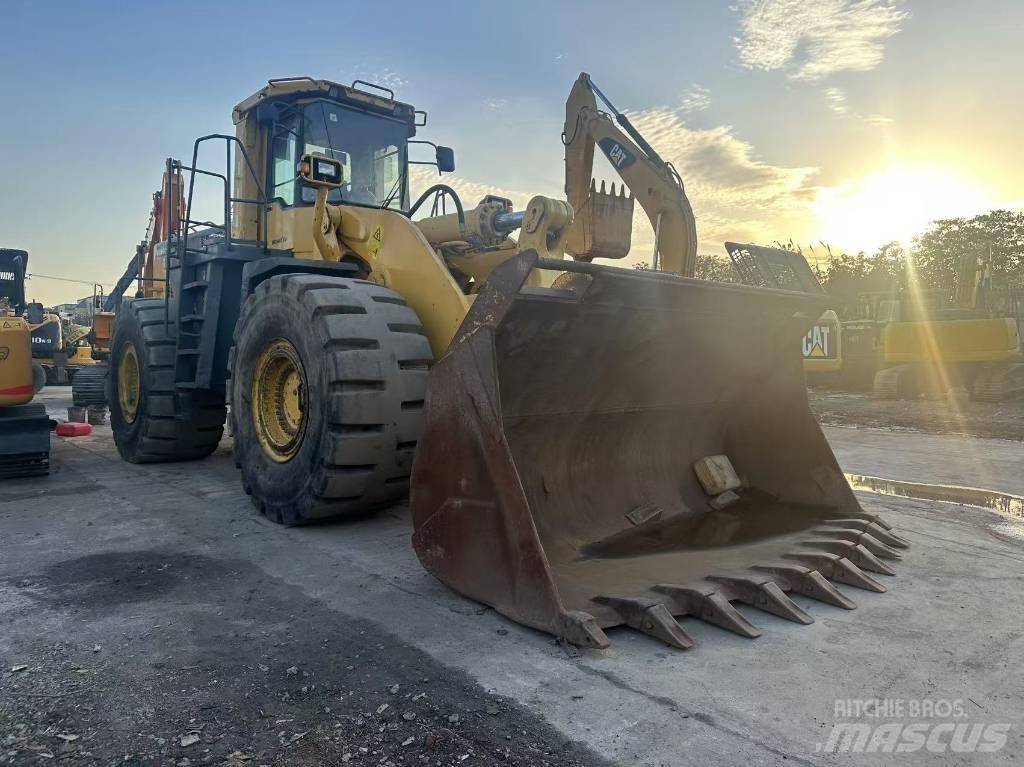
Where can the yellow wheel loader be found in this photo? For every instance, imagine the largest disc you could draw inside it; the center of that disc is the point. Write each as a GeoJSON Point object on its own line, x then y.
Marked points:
{"type": "Point", "coordinates": [24, 425]}
{"type": "Point", "coordinates": [586, 446]}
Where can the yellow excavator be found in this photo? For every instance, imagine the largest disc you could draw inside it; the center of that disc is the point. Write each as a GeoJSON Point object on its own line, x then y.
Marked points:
{"type": "Point", "coordinates": [60, 348]}
{"type": "Point", "coordinates": [586, 446]}
{"type": "Point", "coordinates": [24, 425]}
{"type": "Point", "coordinates": [931, 343]}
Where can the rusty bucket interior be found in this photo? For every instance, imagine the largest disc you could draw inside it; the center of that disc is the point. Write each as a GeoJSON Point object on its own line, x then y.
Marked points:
{"type": "Point", "coordinates": [556, 478]}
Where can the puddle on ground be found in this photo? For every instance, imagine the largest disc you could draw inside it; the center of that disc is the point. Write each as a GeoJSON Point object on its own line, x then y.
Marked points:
{"type": "Point", "coordinates": [1006, 503]}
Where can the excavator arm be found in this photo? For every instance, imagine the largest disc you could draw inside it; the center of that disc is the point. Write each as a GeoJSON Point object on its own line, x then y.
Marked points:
{"type": "Point", "coordinates": [603, 222]}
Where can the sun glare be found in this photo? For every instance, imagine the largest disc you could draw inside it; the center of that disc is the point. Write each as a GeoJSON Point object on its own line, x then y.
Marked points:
{"type": "Point", "coordinates": [894, 205]}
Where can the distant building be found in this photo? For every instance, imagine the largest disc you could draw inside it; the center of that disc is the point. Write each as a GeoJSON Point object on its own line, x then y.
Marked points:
{"type": "Point", "coordinates": [79, 312]}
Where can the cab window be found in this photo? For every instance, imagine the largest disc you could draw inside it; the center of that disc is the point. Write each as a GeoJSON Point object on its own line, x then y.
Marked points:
{"type": "Point", "coordinates": [285, 159]}
{"type": "Point", "coordinates": [371, 150]}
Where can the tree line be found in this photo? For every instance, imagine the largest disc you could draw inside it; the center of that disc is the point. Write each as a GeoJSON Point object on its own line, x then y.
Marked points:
{"type": "Point", "coordinates": [932, 262]}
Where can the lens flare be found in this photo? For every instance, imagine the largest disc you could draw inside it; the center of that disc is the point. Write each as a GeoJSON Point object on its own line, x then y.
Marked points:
{"type": "Point", "coordinates": [894, 205]}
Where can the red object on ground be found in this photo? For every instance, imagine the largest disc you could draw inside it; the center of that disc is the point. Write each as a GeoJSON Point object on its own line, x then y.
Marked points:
{"type": "Point", "coordinates": [71, 429]}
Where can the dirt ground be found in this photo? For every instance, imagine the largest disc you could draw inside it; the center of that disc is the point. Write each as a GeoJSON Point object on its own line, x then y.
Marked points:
{"type": "Point", "coordinates": [269, 678]}
{"type": "Point", "coordinates": [149, 616]}
{"type": "Point", "coordinates": [957, 415]}
{"type": "Point", "coordinates": [169, 650]}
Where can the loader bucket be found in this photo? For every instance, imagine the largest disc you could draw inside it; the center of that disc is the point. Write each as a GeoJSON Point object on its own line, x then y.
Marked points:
{"type": "Point", "coordinates": [556, 479]}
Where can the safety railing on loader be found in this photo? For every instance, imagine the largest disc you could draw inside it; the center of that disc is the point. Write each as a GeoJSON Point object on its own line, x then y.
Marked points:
{"type": "Point", "coordinates": [178, 242]}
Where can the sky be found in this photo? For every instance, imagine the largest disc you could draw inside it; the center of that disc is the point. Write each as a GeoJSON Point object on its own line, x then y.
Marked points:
{"type": "Point", "coordinates": [845, 122]}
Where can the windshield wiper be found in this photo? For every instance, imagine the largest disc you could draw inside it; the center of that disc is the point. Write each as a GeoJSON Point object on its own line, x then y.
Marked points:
{"type": "Point", "coordinates": [394, 190]}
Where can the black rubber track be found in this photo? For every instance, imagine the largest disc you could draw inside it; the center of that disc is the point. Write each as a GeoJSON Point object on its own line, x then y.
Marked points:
{"type": "Point", "coordinates": [170, 425]}
{"type": "Point", "coordinates": [366, 364]}
{"type": "Point", "coordinates": [89, 386]}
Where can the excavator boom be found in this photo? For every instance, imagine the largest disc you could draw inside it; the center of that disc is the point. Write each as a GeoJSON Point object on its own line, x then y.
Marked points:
{"type": "Point", "coordinates": [602, 226]}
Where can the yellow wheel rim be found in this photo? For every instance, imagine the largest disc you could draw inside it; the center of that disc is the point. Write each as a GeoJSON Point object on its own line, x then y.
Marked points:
{"type": "Point", "coordinates": [129, 383]}
{"type": "Point", "coordinates": [279, 400]}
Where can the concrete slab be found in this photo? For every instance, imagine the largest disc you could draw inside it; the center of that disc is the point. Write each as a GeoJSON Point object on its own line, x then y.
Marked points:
{"type": "Point", "coordinates": [948, 459]}
{"type": "Point", "coordinates": [949, 628]}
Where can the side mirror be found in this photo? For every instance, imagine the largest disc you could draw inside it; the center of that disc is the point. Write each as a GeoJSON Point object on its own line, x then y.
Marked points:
{"type": "Point", "coordinates": [445, 159]}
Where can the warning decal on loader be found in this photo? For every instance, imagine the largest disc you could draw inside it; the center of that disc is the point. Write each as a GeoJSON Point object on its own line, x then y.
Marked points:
{"type": "Point", "coordinates": [817, 343]}
{"type": "Point", "coordinates": [376, 240]}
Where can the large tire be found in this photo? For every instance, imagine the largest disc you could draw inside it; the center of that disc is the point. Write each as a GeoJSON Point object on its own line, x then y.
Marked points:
{"type": "Point", "coordinates": [167, 424]}
{"type": "Point", "coordinates": [88, 387]}
{"type": "Point", "coordinates": [363, 361]}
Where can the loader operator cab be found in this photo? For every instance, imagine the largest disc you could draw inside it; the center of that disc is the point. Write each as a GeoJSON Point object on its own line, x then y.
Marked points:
{"type": "Point", "coordinates": [367, 134]}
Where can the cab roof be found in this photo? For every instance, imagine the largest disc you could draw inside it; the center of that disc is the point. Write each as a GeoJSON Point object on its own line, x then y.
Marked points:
{"type": "Point", "coordinates": [290, 89]}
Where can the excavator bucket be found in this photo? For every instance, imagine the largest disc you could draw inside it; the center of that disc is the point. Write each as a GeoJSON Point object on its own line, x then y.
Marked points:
{"type": "Point", "coordinates": [632, 448]}
{"type": "Point", "coordinates": [603, 226]}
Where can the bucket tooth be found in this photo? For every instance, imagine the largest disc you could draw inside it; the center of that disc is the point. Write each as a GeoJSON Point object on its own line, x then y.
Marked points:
{"type": "Point", "coordinates": [650, 617]}
{"type": "Point", "coordinates": [869, 517]}
{"type": "Point", "coordinates": [869, 542]}
{"type": "Point", "coordinates": [855, 552]}
{"type": "Point", "coordinates": [872, 528]}
{"type": "Point", "coordinates": [808, 583]}
{"type": "Point", "coordinates": [837, 568]}
{"type": "Point", "coordinates": [710, 606]}
{"type": "Point", "coordinates": [582, 630]}
{"type": "Point", "coordinates": [861, 556]}
{"type": "Point", "coordinates": [766, 595]}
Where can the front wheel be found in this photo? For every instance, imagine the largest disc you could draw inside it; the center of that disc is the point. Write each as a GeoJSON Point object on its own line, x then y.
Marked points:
{"type": "Point", "coordinates": [152, 421]}
{"type": "Point", "coordinates": [328, 386]}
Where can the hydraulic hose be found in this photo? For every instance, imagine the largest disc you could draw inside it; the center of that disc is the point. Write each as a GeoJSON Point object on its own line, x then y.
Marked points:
{"type": "Point", "coordinates": [455, 198]}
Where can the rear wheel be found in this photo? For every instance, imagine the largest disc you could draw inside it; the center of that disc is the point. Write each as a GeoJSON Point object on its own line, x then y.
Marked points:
{"type": "Point", "coordinates": [88, 387]}
{"type": "Point", "coordinates": [328, 383]}
{"type": "Point", "coordinates": [151, 420]}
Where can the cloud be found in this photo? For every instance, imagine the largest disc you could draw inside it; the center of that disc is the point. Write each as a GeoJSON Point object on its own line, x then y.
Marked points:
{"type": "Point", "coordinates": [811, 39]}
{"type": "Point", "coordinates": [386, 77]}
{"type": "Point", "coordinates": [735, 194]}
{"type": "Point", "coordinates": [836, 99]}
{"type": "Point", "coordinates": [495, 104]}
{"type": "Point", "coordinates": [696, 98]}
{"type": "Point", "coordinates": [470, 192]}
{"type": "Point", "coordinates": [716, 165]}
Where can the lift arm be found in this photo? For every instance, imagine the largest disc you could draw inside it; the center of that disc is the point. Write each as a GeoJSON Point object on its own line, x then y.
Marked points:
{"type": "Point", "coordinates": [602, 219]}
